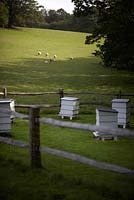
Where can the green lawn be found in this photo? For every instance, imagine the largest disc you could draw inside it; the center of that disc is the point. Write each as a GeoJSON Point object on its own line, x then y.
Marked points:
{"type": "Point", "coordinates": [22, 70]}
{"type": "Point", "coordinates": [61, 179]}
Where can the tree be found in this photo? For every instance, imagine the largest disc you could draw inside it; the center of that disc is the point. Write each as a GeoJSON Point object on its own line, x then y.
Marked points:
{"type": "Point", "coordinates": [3, 15]}
{"type": "Point", "coordinates": [83, 23]}
{"type": "Point", "coordinates": [62, 14]}
{"type": "Point", "coordinates": [115, 19]}
{"type": "Point", "coordinates": [19, 9]}
{"type": "Point", "coordinates": [56, 15]}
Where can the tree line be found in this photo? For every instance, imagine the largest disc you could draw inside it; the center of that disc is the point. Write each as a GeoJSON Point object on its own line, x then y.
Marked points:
{"type": "Point", "coordinates": [28, 13]}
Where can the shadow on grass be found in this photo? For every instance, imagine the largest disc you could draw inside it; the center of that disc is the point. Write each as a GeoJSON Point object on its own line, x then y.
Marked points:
{"type": "Point", "coordinates": [77, 74]}
{"type": "Point", "coordinates": [35, 74]}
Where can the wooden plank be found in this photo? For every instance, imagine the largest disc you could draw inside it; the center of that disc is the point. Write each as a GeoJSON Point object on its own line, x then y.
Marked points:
{"type": "Point", "coordinates": [89, 127]}
{"type": "Point", "coordinates": [13, 142]}
{"type": "Point", "coordinates": [5, 120]}
{"type": "Point", "coordinates": [5, 127]}
{"type": "Point", "coordinates": [31, 93]}
{"type": "Point", "coordinates": [107, 124]}
{"type": "Point", "coordinates": [69, 112]}
{"type": "Point", "coordinates": [72, 156]}
{"type": "Point", "coordinates": [35, 137]}
{"type": "Point", "coordinates": [84, 160]}
{"type": "Point", "coordinates": [38, 105]}
{"type": "Point", "coordinates": [21, 116]}
{"type": "Point", "coordinates": [107, 118]}
{"type": "Point", "coordinates": [69, 107]}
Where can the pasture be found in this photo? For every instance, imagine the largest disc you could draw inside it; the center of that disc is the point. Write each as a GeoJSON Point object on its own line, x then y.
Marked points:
{"type": "Point", "coordinates": [21, 69]}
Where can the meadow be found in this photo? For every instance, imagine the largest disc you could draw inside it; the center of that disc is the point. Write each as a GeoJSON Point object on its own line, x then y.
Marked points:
{"type": "Point", "coordinates": [22, 70]}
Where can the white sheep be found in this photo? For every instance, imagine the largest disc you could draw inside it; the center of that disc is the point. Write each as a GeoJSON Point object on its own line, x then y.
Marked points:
{"type": "Point", "coordinates": [39, 53]}
{"type": "Point", "coordinates": [71, 58]}
{"type": "Point", "coordinates": [54, 57]}
{"type": "Point", "coordinates": [46, 61]}
{"type": "Point", "coordinates": [47, 54]}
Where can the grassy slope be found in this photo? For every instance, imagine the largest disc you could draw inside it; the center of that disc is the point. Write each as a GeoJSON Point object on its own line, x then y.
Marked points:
{"type": "Point", "coordinates": [22, 70]}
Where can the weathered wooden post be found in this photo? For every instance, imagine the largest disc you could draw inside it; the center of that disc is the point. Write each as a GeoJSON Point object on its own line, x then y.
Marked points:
{"type": "Point", "coordinates": [4, 92]}
{"type": "Point", "coordinates": [35, 137]}
{"type": "Point", "coordinates": [120, 94]}
{"type": "Point", "coordinates": [61, 93]}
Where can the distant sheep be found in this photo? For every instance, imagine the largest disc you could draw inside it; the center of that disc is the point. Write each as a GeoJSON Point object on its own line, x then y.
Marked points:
{"type": "Point", "coordinates": [46, 61]}
{"type": "Point", "coordinates": [54, 57]}
{"type": "Point", "coordinates": [47, 54]}
{"type": "Point", "coordinates": [39, 53]}
{"type": "Point", "coordinates": [71, 58]}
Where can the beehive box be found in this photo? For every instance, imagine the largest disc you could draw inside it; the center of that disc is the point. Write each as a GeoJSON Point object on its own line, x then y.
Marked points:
{"type": "Point", "coordinates": [5, 121]}
{"type": "Point", "coordinates": [123, 108]}
{"type": "Point", "coordinates": [108, 118]}
{"type": "Point", "coordinates": [69, 107]}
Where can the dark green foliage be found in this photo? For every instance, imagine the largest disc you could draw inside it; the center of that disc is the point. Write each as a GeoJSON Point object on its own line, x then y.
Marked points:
{"type": "Point", "coordinates": [61, 20]}
{"type": "Point", "coordinates": [20, 12]}
{"type": "Point", "coordinates": [27, 13]}
{"type": "Point", "coordinates": [3, 14]}
{"type": "Point", "coordinates": [115, 19]}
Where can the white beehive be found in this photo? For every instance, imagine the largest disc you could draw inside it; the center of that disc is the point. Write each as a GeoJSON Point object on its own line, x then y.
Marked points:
{"type": "Point", "coordinates": [108, 118]}
{"type": "Point", "coordinates": [123, 108]}
{"type": "Point", "coordinates": [69, 107]}
{"type": "Point", "coordinates": [5, 121]}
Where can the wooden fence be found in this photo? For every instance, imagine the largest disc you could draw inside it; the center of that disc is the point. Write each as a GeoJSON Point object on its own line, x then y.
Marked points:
{"type": "Point", "coordinates": [61, 93]}
{"type": "Point", "coordinates": [34, 143]}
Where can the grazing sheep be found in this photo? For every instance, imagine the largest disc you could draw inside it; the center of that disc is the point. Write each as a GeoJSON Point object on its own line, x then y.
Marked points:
{"type": "Point", "coordinates": [47, 54]}
{"type": "Point", "coordinates": [54, 58]}
{"type": "Point", "coordinates": [71, 58]}
{"type": "Point", "coordinates": [39, 53]}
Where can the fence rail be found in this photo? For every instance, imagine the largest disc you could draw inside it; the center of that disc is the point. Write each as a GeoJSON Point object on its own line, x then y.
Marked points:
{"type": "Point", "coordinates": [62, 92]}
{"type": "Point", "coordinates": [34, 144]}
{"type": "Point", "coordinates": [71, 156]}
{"type": "Point", "coordinates": [74, 125]}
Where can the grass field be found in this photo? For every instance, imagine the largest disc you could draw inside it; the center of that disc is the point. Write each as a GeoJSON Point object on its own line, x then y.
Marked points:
{"type": "Point", "coordinates": [61, 179]}
{"type": "Point", "coordinates": [23, 70]}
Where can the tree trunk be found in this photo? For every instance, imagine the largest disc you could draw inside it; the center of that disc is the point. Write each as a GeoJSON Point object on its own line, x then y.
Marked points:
{"type": "Point", "coordinates": [11, 14]}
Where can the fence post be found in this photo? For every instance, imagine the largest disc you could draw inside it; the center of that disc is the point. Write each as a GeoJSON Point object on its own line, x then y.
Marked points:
{"type": "Point", "coordinates": [61, 93]}
{"type": "Point", "coordinates": [35, 137]}
{"type": "Point", "coordinates": [120, 94]}
{"type": "Point", "coordinates": [4, 92]}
